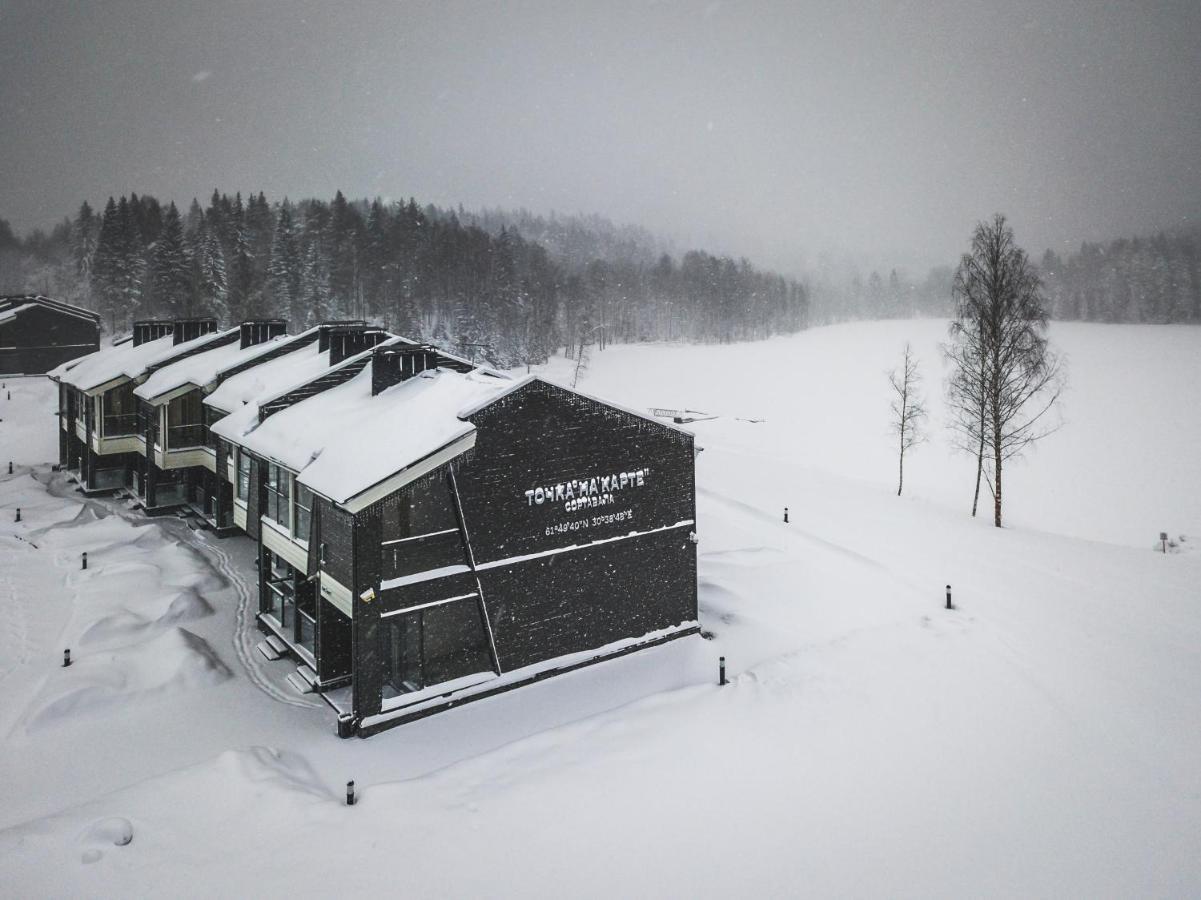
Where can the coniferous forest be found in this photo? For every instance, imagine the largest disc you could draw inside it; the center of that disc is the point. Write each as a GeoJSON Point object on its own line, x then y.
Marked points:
{"type": "Point", "coordinates": [512, 287]}
{"type": "Point", "coordinates": [507, 288]}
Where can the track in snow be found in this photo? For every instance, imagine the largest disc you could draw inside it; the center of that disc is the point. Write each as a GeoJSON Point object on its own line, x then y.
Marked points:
{"type": "Point", "coordinates": [243, 641]}
{"type": "Point", "coordinates": [220, 560]}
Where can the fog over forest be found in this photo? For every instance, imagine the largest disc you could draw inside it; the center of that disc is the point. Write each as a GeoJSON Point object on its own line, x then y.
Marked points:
{"type": "Point", "coordinates": [820, 142]}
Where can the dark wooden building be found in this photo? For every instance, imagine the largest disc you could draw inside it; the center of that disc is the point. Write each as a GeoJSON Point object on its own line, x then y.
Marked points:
{"type": "Point", "coordinates": [37, 334]}
{"type": "Point", "coordinates": [432, 533]}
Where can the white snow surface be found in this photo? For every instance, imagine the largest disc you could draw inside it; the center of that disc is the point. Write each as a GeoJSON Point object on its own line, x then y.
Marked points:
{"type": "Point", "coordinates": [202, 368]}
{"type": "Point", "coordinates": [1039, 740]}
{"type": "Point", "coordinates": [269, 378]}
{"type": "Point", "coordinates": [122, 360]}
{"type": "Point", "coordinates": [345, 440]}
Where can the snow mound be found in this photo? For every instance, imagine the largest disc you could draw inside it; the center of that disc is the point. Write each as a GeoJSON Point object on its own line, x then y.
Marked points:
{"type": "Point", "coordinates": [171, 663]}
{"type": "Point", "coordinates": [130, 623]}
{"type": "Point", "coordinates": [179, 817]}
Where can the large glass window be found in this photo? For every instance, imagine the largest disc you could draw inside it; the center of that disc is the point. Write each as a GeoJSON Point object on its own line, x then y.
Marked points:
{"type": "Point", "coordinates": [120, 411]}
{"type": "Point", "coordinates": [433, 645]}
{"type": "Point", "coordinates": [420, 529]}
{"type": "Point", "coordinates": [292, 600]}
{"type": "Point", "coordinates": [279, 495]}
{"type": "Point", "coordinates": [281, 592]}
{"type": "Point", "coordinates": [243, 487]}
{"type": "Point", "coordinates": [210, 417]}
{"type": "Point", "coordinates": [185, 421]}
{"type": "Point", "coordinates": [303, 517]}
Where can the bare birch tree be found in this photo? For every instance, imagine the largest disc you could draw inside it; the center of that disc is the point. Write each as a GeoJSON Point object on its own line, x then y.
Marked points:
{"type": "Point", "coordinates": [908, 409]}
{"type": "Point", "coordinates": [1004, 378]}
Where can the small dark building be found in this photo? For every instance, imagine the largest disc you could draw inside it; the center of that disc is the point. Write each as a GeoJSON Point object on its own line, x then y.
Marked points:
{"type": "Point", "coordinates": [432, 533]}
{"type": "Point", "coordinates": [37, 334]}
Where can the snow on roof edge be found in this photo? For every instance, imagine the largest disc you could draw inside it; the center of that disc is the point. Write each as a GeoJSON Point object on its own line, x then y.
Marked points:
{"type": "Point", "coordinates": [517, 385]}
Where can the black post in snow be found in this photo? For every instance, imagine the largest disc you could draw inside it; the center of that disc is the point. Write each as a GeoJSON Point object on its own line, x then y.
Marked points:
{"type": "Point", "coordinates": [721, 670]}
{"type": "Point", "coordinates": [18, 514]}
{"type": "Point", "coordinates": [85, 559]}
{"type": "Point", "coordinates": [350, 793]}
{"type": "Point", "coordinates": [949, 606]}
{"type": "Point", "coordinates": [66, 657]}
{"type": "Point", "coordinates": [785, 513]}
{"type": "Point", "coordinates": [10, 467]}
{"type": "Point", "coordinates": [1163, 539]}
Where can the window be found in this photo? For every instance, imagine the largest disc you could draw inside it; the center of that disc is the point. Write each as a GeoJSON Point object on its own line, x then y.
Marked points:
{"type": "Point", "coordinates": [281, 591]}
{"type": "Point", "coordinates": [292, 600]}
{"type": "Point", "coordinates": [433, 645]}
{"type": "Point", "coordinates": [185, 422]}
{"type": "Point", "coordinates": [303, 518]}
{"type": "Point", "coordinates": [420, 529]}
{"type": "Point", "coordinates": [210, 417]}
{"type": "Point", "coordinates": [243, 486]}
{"type": "Point", "coordinates": [120, 411]}
{"type": "Point", "coordinates": [279, 495]}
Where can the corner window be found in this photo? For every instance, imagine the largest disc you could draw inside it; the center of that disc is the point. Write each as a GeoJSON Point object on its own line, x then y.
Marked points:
{"type": "Point", "coordinates": [431, 646]}
{"type": "Point", "coordinates": [279, 495]}
{"type": "Point", "coordinates": [185, 422]}
{"type": "Point", "coordinates": [120, 411]}
{"type": "Point", "coordinates": [243, 487]}
{"type": "Point", "coordinates": [303, 517]}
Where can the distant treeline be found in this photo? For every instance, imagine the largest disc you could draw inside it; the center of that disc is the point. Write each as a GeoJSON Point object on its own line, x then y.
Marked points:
{"type": "Point", "coordinates": [1137, 280]}
{"type": "Point", "coordinates": [1155, 279]}
{"type": "Point", "coordinates": [510, 288]}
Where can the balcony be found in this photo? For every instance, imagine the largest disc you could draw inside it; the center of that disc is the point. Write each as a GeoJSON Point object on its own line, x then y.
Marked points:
{"type": "Point", "coordinates": [186, 437]}
{"type": "Point", "coordinates": [120, 426]}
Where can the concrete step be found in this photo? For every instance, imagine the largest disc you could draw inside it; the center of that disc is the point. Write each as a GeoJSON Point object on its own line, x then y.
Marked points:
{"type": "Point", "coordinates": [268, 651]}
{"type": "Point", "coordinates": [301, 686]}
{"type": "Point", "coordinates": [276, 643]}
{"type": "Point", "coordinates": [306, 672]}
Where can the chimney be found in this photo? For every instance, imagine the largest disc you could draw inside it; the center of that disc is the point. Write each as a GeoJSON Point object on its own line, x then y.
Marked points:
{"type": "Point", "coordinates": [328, 327]}
{"type": "Point", "coordinates": [146, 330]}
{"type": "Point", "coordinates": [392, 365]}
{"type": "Point", "coordinates": [190, 329]}
{"type": "Point", "coordinates": [345, 342]}
{"type": "Point", "coordinates": [259, 331]}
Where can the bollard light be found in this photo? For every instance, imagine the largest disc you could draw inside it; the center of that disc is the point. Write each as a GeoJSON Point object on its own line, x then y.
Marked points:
{"type": "Point", "coordinates": [350, 793]}
{"type": "Point", "coordinates": [66, 657]}
{"type": "Point", "coordinates": [949, 606]}
{"type": "Point", "coordinates": [85, 559]}
{"type": "Point", "coordinates": [785, 513]}
{"type": "Point", "coordinates": [721, 670]}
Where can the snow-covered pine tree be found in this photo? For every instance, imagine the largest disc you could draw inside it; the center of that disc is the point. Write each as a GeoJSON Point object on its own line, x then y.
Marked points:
{"type": "Point", "coordinates": [171, 268]}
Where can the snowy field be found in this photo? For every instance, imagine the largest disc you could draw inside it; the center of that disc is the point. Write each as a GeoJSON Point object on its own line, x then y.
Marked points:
{"type": "Point", "coordinates": [1042, 739]}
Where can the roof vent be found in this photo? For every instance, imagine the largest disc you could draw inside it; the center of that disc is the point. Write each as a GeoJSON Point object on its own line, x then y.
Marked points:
{"type": "Point", "coordinates": [392, 365]}
{"type": "Point", "coordinates": [145, 330]}
{"type": "Point", "coordinates": [345, 342]}
{"type": "Point", "coordinates": [328, 328]}
{"type": "Point", "coordinates": [190, 329]}
{"type": "Point", "coordinates": [259, 331]}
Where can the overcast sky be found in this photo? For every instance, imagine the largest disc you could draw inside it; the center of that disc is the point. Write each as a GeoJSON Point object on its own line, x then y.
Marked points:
{"type": "Point", "coordinates": [778, 130]}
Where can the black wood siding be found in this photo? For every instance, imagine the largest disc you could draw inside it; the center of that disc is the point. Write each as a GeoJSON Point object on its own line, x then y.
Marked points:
{"type": "Point", "coordinates": [36, 340]}
{"type": "Point", "coordinates": [558, 600]}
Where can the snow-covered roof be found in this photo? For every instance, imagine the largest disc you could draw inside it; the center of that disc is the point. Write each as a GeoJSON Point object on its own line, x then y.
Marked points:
{"type": "Point", "coordinates": [13, 311]}
{"type": "Point", "coordinates": [13, 304]}
{"type": "Point", "coordinates": [344, 440]}
{"type": "Point", "coordinates": [202, 368]}
{"type": "Point", "coordinates": [122, 361]}
{"type": "Point", "coordinates": [270, 378]}
{"type": "Point", "coordinates": [402, 425]}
